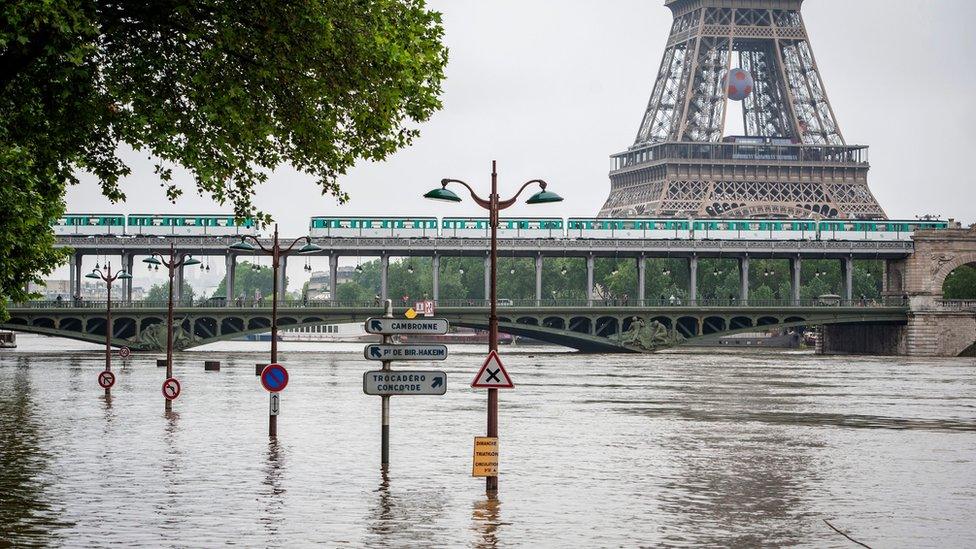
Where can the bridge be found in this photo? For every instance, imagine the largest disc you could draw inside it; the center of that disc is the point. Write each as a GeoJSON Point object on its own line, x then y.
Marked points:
{"type": "Point", "coordinates": [588, 327]}
{"type": "Point", "coordinates": [127, 248]}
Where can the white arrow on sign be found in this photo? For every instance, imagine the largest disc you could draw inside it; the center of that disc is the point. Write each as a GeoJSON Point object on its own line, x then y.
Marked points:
{"type": "Point", "coordinates": [402, 382]}
{"type": "Point", "coordinates": [393, 326]}
{"type": "Point", "coordinates": [377, 351]}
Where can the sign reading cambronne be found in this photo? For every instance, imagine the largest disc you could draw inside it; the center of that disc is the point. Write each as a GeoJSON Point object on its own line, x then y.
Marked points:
{"type": "Point", "coordinates": [402, 382]}
{"type": "Point", "coordinates": [393, 326]}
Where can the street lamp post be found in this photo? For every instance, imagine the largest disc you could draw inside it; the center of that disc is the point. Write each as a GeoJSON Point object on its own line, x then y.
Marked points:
{"type": "Point", "coordinates": [493, 204]}
{"type": "Point", "coordinates": [108, 278]}
{"type": "Point", "coordinates": [171, 265]}
{"type": "Point", "coordinates": [276, 252]}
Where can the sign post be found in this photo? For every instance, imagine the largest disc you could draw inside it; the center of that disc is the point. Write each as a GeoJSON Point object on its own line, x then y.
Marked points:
{"type": "Point", "coordinates": [274, 378]}
{"type": "Point", "coordinates": [385, 382]}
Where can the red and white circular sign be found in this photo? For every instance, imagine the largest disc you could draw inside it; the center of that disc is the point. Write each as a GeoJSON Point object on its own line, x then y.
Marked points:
{"type": "Point", "coordinates": [171, 388]}
{"type": "Point", "coordinates": [124, 352]}
{"type": "Point", "coordinates": [106, 379]}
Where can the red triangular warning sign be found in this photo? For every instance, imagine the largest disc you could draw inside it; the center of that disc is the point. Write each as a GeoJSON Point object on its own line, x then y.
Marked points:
{"type": "Point", "coordinates": [492, 374]}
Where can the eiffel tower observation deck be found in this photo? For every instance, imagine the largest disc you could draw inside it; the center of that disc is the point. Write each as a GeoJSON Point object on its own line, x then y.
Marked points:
{"type": "Point", "coordinates": [793, 161]}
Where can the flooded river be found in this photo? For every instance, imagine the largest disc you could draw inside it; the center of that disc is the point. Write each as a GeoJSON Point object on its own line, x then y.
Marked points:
{"type": "Point", "coordinates": [680, 449]}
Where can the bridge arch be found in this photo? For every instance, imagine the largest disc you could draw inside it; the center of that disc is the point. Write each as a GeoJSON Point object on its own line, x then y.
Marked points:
{"type": "Point", "coordinates": [959, 270]}
{"type": "Point", "coordinates": [556, 322]}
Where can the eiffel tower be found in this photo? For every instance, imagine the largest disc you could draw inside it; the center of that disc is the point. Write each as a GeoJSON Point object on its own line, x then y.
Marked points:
{"type": "Point", "coordinates": [793, 161]}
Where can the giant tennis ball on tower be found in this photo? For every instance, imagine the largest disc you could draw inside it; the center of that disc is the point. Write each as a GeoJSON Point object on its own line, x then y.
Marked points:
{"type": "Point", "coordinates": [739, 84]}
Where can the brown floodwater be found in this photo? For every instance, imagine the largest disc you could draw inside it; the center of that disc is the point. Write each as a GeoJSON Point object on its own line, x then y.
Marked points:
{"type": "Point", "coordinates": [693, 449]}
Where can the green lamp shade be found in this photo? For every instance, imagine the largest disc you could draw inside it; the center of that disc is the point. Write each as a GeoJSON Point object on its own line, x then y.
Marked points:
{"type": "Point", "coordinates": [544, 197]}
{"type": "Point", "coordinates": [96, 276]}
{"type": "Point", "coordinates": [151, 260]}
{"type": "Point", "coordinates": [242, 246]}
{"type": "Point", "coordinates": [124, 275]}
{"type": "Point", "coordinates": [310, 248]}
{"type": "Point", "coordinates": [442, 194]}
{"type": "Point", "coordinates": [191, 261]}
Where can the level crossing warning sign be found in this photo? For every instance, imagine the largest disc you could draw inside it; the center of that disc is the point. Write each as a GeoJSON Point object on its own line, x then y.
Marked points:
{"type": "Point", "coordinates": [492, 374]}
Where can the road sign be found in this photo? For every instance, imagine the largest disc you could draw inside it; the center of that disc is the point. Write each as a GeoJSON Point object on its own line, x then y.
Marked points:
{"type": "Point", "coordinates": [378, 351]}
{"type": "Point", "coordinates": [106, 379]}
{"type": "Point", "coordinates": [275, 404]}
{"type": "Point", "coordinates": [492, 374]}
{"type": "Point", "coordinates": [171, 388]}
{"type": "Point", "coordinates": [425, 307]}
{"type": "Point", "coordinates": [124, 352]}
{"type": "Point", "coordinates": [484, 462]}
{"type": "Point", "coordinates": [392, 326]}
{"type": "Point", "coordinates": [274, 377]}
{"type": "Point", "coordinates": [410, 313]}
{"type": "Point", "coordinates": [401, 382]}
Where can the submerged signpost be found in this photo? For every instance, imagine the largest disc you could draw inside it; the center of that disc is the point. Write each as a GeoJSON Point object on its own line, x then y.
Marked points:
{"type": "Point", "coordinates": [387, 382]}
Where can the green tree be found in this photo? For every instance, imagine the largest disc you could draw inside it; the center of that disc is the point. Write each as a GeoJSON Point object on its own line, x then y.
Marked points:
{"type": "Point", "coordinates": [160, 293]}
{"type": "Point", "coordinates": [247, 279]}
{"type": "Point", "coordinates": [960, 284]}
{"type": "Point", "coordinates": [227, 90]}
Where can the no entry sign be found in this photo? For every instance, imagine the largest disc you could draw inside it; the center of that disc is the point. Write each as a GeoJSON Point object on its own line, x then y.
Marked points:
{"type": "Point", "coordinates": [124, 352]}
{"type": "Point", "coordinates": [106, 380]}
{"type": "Point", "coordinates": [274, 377]}
{"type": "Point", "coordinates": [171, 388]}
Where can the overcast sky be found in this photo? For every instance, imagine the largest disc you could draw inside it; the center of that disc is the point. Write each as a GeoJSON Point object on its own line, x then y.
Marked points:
{"type": "Point", "coordinates": [551, 88]}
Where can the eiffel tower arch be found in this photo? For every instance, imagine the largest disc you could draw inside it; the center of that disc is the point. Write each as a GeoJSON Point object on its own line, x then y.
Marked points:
{"type": "Point", "coordinates": [793, 160]}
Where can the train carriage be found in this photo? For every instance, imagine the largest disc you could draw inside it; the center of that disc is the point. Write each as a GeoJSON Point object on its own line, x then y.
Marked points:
{"type": "Point", "coordinates": [188, 225]}
{"type": "Point", "coordinates": [89, 224]}
{"type": "Point", "coordinates": [883, 230]}
{"type": "Point", "coordinates": [465, 227]}
{"type": "Point", "coordinates": [513, 227]}
{"type": "Point", "coordinates": [380, 227]}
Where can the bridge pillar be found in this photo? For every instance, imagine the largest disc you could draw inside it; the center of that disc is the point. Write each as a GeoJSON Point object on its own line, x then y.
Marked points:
{"type": "Point", "coordinates": [795, 270]}
{"type": "Point", "coordinates": [282, 272]}
{"type": "Point", "coordinates": [590, 263]}
{"type": "Point", "coordinates": [384, 276]}
{"type": "Point", "coordinates": [178, 281]}
{"type": "Point", "coordinates": [538, 280]}
{"type": "Point", "coordinates": [693, 280]}
{"type": "Point", "coordinates": [641, 278]}
{"type": "Point", "coordinates": [73, 269]}
{"type": "Point", "coordinates": [128, 261]}
{"type": "Point", "coordinates": [230, 268]}
{"type": "Point", "coordinates": [487, 278]}
{"type": "Point", "coordinates": [436, 276]}
{"type": "Point", "coordinates": [333, 276]}
{"type": "Point", "coordinates": [847, 270]}
{"type": "Point", "coordinates": [744, 280]}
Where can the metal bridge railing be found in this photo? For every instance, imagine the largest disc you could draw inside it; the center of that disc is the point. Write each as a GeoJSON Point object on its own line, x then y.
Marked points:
{"type": "Point", "coordinates": [825, 302]}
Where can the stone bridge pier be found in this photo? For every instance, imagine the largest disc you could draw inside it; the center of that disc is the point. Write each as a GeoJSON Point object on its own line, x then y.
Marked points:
{"type": "Point", "coordinates": [936, 326]}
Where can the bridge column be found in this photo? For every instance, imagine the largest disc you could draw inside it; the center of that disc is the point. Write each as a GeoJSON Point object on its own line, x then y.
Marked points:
{"type": "Point", "coordinates": [384, 275]}
{"type": "Point", "coordinates": [795, 269]}
{"type": "Point", "coordinates": [590, 263]}
{"type": "Point", "coordinates": [333, 276]}
{"type": "Point", "coordinates": [641, 278]}
{"type": "Point", "coordinates": [130, 263]}
{"type": "Point", "coordinates": [73, 271]}
{"type": "Point", "coordinates": [230, 268]}
{"type": "Point", "coordinates": [178, 281]}
{"type": "Point", "coordinates": [436, 276]}
{"type": "Point", "coordinates": [744, 280]}
{"type": "Point", "coordinates": [693, 280]}
{"type": "Point", "coordinates": [487, 278]}
{"type": "Point", "coordinates": [847, 270]}
{"type": "Point", "coordinates": [538, 280]}
{"type": "Point", "coordinates": [282, 272]}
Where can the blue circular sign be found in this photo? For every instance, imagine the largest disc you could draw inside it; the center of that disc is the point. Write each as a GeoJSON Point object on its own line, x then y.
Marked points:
{"type": "Point", "coordinates": [274, 377]}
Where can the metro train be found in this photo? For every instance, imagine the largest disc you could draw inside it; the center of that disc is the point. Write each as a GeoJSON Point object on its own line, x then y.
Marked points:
{"type": "Point", "coordinates": [152, 225]}
{"type": "Point", "coordinates": [513, 227]}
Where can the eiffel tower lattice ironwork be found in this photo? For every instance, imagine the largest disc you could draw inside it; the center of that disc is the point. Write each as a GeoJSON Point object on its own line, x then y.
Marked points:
{"type": "Point", "coordinates": [793, 161]}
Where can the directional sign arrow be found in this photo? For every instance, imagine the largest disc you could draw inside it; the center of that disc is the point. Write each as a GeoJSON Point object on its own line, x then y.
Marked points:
{"type": "Point", "coordinates": [408, 352]}
{"type": "Point", "coordinates": [376, 325]}
{"type": "Point", "coordinates": [438, 381]}
{"type": "Point", "coordinates": [375, 352]}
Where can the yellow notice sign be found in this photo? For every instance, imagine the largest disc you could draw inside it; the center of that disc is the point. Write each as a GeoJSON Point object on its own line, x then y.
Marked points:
{"type": "Point", "coordinates": [485, 462]}
{"type": "Point", "coordinates": [410, 313]}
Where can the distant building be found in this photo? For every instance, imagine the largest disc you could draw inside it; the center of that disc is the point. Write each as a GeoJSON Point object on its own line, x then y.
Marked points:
{"type": "Point", "coordinates": [319, 286]}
